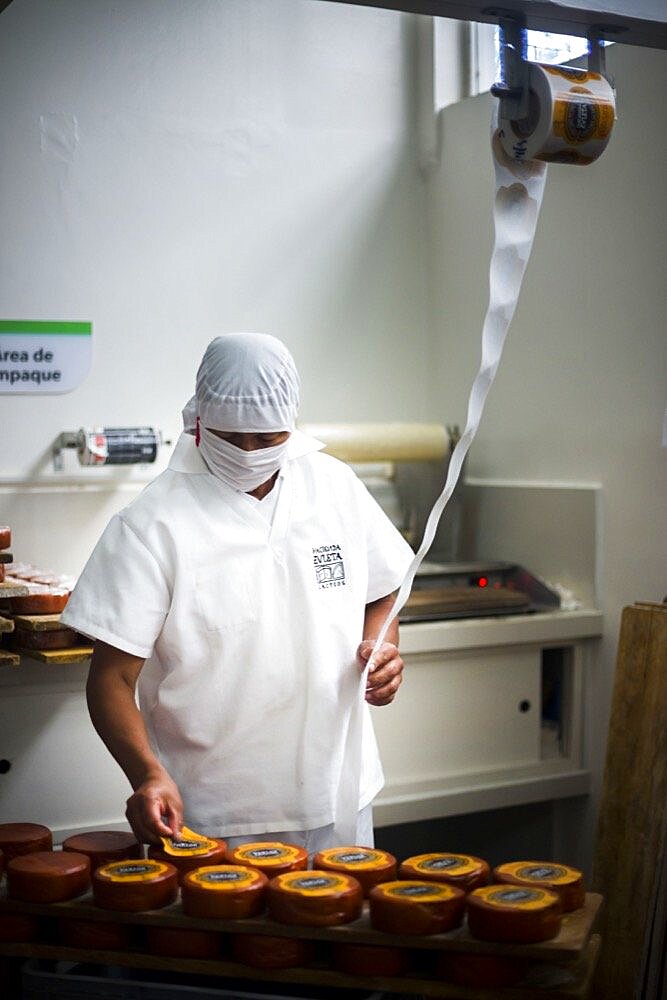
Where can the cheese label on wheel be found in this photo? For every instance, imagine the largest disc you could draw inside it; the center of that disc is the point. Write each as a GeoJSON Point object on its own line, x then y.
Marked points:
{"type": "Point", "coordinates": [132, 871]}
{"type": "Point", "coordinates": [456, 864]}
{"type": "Point", "coordinates": [424, 892]}
{"type": "Point", "coordinates": [223, 878]}
{"type": "Point", "coordinates": [557, 874]}
{"type": "Point", "coordinates": [269, 854]}
{"type": "Point", "coordinates": [516, 897]}
{"type": "Point", "coordinates": [313, 885]}
{"type": "Point", "coordinates": [188, 845]}
{"type": "Point", "coordinates": [358, 857]}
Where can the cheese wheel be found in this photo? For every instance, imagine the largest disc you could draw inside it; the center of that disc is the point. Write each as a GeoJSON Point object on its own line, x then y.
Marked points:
{"type": "Point", "coordinates": [370, 960]}
{"type": "Point", "coordinates": [134, 885]}
{"type": "Point", "coordinates": [271, 857]}
{"type": "Point", "coordinates": [5, 536]}
{"type": "Point", "coordinates": [47, 876]}
{"type": "Point", "coordinates": [99, 935]}
{"type": "Point", "coordinates": [415, 907]}
{"type": "Point", "coordinates": [17, 928]}
{"type": "Point", "coordinates": [567, 883]}
{"type": "Point", "coordinates": [104, 846]}
{"type": "Point", "coordinates": [41, 600]}
{"type": "Point", "coordinates": [186, 857]}
{"type": "Point", "coordinates": [480, 971]}
{"type": "Point", "coordinates": [513, 914]}
{"type": "Point", "coordinates": [24, 838]}
{"type": "Point", "coordinates": [368, 865]}
{"type": "Point", "coordinates": [228, 892]}
{"type": "Point", "coordinates": [57, 638]}
{"type": "Point", "coordinates": [2, 572]}
{"type": "Point", "coordinates": [180, 942]}
{"type": "Point", "coordinates": [264, 951]}
{"type": "Point", "coordinates": [2, 862]}
{"type": "Point", "coordinates": [314, 898]}
{"type": "Point", "coordinates": [462, 870]}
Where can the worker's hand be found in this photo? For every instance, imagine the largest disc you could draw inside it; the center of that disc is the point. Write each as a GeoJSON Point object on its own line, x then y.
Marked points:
{"type": "Point", "coordinates": [155, 810]}
{"type": "Point", "coordinates": [386, 672]}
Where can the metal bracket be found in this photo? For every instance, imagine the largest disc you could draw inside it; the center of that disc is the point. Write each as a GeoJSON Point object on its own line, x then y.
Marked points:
{"type": "Point", "coordinates": [512, 89]}
{"type": "Point", "coordinates": [68, 439]}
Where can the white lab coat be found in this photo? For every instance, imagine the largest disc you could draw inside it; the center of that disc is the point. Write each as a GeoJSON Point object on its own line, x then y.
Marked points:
{"type": "Point", "coordinates": [249, 630]}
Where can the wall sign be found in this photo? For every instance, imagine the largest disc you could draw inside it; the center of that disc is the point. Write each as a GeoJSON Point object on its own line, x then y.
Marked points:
{"type": "Point", "coordinates": [38, 356]}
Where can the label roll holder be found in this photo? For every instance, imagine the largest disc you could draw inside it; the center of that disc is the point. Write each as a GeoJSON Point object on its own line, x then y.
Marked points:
{"type": "Point", "coordinates": [558, 114]}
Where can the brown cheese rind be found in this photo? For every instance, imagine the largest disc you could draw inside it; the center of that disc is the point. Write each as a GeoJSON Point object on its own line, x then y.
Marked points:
{"type": "Point", "coordinates": [104, 846]}
{"type": "Point", "coordinates": [513, 914]}
{"type": "Point", "coordinates": [16, 928]}
{"type": "Point", "coordinates": [566, 882]}
{"type": "Point", "coordinates": [264, 951]}
{"type": "Point", "coordinates": [367, 864]}
{"type": "Point", "coordinates": [24, 838]}
{"type": "Point", "coordinates": [416, 907]}
{"type": "Point", "coordinates": [226, 892]}
{"type": "Point", "coordinates": [42, 600]}
{"type": "Point", "coordinates": [5, 536]}
{"type": "Point", "coordinates": [96, 935]}
{"type": "Point", "coordinates": [370, 960]}
{"type": "Point", "coordinates": [479, 971]}
{"type": "Point", "coordinates": [179, 942]}
{"type": "Point", "coordinates": [135, 885]}
{"type": "Point", "coordinates": [314, 898]}
{"type": "Point", "coordinates": [461, 870]}
{"type": "Point", "coordinates": [47, 876]}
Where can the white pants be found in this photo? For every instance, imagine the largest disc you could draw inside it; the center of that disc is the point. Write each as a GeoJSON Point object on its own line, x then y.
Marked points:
{"type": "Point", "coordinates": [314, 840]}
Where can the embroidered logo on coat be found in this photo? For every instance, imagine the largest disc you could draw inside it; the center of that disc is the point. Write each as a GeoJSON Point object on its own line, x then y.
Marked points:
{"type": "Point", "coordinates": [329, 566]}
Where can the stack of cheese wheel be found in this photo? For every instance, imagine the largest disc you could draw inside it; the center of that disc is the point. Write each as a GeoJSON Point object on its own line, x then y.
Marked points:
{"type": "Point", "coordinates": [186, 855]}
{"type": "Point", "coordinates": [566, 882]}
{"type": "Point", "coordinates": [180, 942]}
{"type": "Point", "coordinates": [104, 846]}
{"type": "Point", "coordinates": [99, 935]}
{"type": "Point", "coordinates": [461, 870]}
{"type": "Point", "coordinates": [270, 857]}
{"type": "Point", "coordinates": [41, 599]}
{"type": "Point", "coordinates": [370, 959]}
{"type": "Point", "coordinates": [264, 951]}
{"type": "Point", "coordinates": [5, 542]}
{"type": "Point", "coordinates": [368, 865]}
{"type": "Point", "coordinates": [24, 838]}
{"type": "Point", "coordinates": [134, 885]}
{"type": "Point", "coordinates": [314, 898]}
{"type": "Point", "coordinates": [479, 971]}
{"type": "Point", "coordinates": [513, 914]}
{"type": "Point", "coordinates": [223, 892]}
{"type": "Point", "coordinates": [416, 907]}
{"type": "Point", "coordinates": [47, 876]}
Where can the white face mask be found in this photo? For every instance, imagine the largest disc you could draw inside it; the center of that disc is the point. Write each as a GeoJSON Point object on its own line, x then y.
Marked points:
{"type": "Point", "coordinates": [242, 470]}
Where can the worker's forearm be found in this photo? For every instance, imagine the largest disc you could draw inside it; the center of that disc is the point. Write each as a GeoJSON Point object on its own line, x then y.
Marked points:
{"type": "Point", "coordinates": [375, 616]}
{"type": "Point", "coordinates": [118, 721]}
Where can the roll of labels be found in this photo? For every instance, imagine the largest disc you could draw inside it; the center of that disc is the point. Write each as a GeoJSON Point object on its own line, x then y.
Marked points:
{"type": "Point", "coordinates": [546, 114]}
{"type": "Point", "coordinates": [109, 446]}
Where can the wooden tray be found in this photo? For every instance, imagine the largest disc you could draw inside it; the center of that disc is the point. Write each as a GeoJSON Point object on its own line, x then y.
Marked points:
{"type": "Point", "coordinates": [38, 623]}
{"type": "Point", "coordinates": [74, 654]}
{"type": "Point", "coordinates": [568, 946]}
{"type": "Point", "coordinates": [575, 982]}
{"type": "Point", "coordinates": [8, 659]}
{"type": "Point", "coordinates": [12, 590]}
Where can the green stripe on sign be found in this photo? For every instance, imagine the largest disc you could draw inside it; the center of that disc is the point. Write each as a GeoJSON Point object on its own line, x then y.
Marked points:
{"type": "Point", "coordinates": [44, 326]}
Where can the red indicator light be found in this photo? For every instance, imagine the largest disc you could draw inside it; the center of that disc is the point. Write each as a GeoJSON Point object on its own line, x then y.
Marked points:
{"type": "Point", "coordinates": [482, 582]}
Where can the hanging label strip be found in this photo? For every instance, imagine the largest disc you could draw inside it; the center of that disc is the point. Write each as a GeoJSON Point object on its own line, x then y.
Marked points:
{"type": "Point", "coordinates": [519, 187]}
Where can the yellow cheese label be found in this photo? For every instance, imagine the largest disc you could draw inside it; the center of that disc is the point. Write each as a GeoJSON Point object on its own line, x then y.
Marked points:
{"type": "Point", "coordinates": [419, 892]}
{"type": "Point", "coordinates": [132, 871]}
{"type": "Point", "coordinates": [188, 845]}
{"type": "Point", "coordinates": [359, 858]}
{"type": "Point", "coordinates": [535, 871]}
{"type": "Point", "coordinates": [314, 883]}
{"type": "Point", "coordinates": [447, 864]}
{"type": "Point", "coordinates": [267, 854]}
{"type": "Point", "coordinates": [571, 73]}
{"type": "Point", "coordinates": [516, 897]}
{"type": "Point", "coordinates": [225, 878]}
{"type": "Point", "coordinates": [580, 119]}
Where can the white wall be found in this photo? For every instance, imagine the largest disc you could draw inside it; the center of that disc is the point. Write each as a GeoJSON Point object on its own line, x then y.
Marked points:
{"type": "Point", "coordinates": [580, 394]}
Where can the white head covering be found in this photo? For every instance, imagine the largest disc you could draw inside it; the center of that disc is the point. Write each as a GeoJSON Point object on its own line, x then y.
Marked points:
{"type": "Point", "coordinates": [246, 382]}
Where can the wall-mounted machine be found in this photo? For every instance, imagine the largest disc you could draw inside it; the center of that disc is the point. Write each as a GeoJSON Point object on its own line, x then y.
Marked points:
{"type": "Point", "coordinates": [109, 446]}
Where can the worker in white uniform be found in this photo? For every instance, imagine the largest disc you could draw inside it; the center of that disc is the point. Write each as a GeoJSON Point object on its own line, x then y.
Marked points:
{"type": "Point", "coordinates": [240, 594]}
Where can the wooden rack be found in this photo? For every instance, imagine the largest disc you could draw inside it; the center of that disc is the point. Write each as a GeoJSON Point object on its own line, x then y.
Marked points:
{"type": "Point", "coordinates": [41, 623]}
{"type": "Point", "coordinates": [570, 957]}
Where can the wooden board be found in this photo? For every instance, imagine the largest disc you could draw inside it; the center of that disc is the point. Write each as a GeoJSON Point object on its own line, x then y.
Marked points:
{"type": "Point", "coordinates": [38, 623]}
{"type": "Point", "coordinates": [6, 624]}
{"type": "Point", "coordinates": [75, 654]}
{"type": "Point", "coordinates": [574, 986]}
{"type": "Point", "coordinates": [630, 844]}
{"type": "Point", "coordinates": [568, 946]}
{"type": "Point", "coordinates": [12, 590]}
{"type": "Point", "coordinates": [8, 659]}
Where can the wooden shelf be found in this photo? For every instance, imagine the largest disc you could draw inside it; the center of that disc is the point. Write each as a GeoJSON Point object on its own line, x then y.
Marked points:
{"type": "Point", "coordinates": [74, 654]}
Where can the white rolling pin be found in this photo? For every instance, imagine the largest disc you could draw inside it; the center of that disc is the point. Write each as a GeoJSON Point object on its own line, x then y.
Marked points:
{"type": "Point", "coordinates": [382, 442]}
